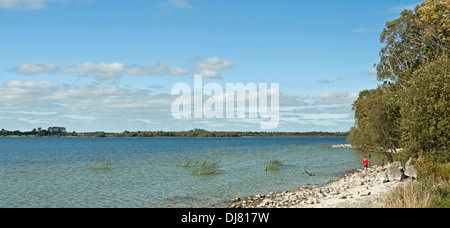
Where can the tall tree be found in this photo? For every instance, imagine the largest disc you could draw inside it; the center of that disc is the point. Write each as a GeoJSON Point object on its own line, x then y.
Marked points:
{"type": "Point", "coordinates": [433, 22]}
{"type": "Point", "coordinates": [415, 38]}
{"type": "Point", "coordinates": [407, 107]}
{"type": "Point", "coordinates": [402, 51]}
{"type": "Point", "coordinates": [425, 111]}
{"type": "Point", "coordinates": [376, 120]}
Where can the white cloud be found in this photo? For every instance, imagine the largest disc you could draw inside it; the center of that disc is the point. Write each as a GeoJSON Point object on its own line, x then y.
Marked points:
{"type": "Point", "coordinates": [210, 73]}
{"type": "Point", "coordinates": [328, 81]}
{"type": "Point", "coordinates": [214, 63]}
{"type": "Point", "coordinates": [182, 4]}
{"type": "Point", "coordinates": [211, 67]}
{"type": "Point", "coordinates": [147, 121]}
{"type": "Point", "coordinates": [329, 111]}
{"type": "Point", "coordinates": [94, 68]}
{"type": "Point", "coordinates": [333, 97]}
{"type": "Point", "coordinates": [177, 71]}
{"type": "Point", "coordinates": [94, 107]}
{"type": "Point", "coordinates": [160, 68]}
{"type": "Point", "coordinates": [112, 72]}
{"type": "Point", "coordinates": [320, 116]}
{"type": "Point", "coordinates": [35, 68]}
{"type": "Point", "coordinates": [29, 4]}
{"type": "Point", "coordinates": [105, 72]}
{"type": "Point", "coordinates": [370, 71]}
{"type": "Point", "coordinates": [22, 4]}
{"type": "Point", "coordinates": [78, 117]}
{"type": "Point", "coordinates": [30, 84]}
{"type": "Point", "coordinates": [30, 104]}
{"type": "Point", "coordinates": [34, 113]}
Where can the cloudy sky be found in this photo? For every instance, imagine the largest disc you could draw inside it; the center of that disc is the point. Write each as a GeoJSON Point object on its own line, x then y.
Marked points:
{"type": "Point", "coordinates": [110, 65]}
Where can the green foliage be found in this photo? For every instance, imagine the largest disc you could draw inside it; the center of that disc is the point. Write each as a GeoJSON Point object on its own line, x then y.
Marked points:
{"type": "Point", "coordinates": [411, 108]}
{"type": "Point", "coordinates": [443, 171]}
{"type": "Point", "coordinates": [377, 117]}
{"type": "Point", "coordinates": [99, 134]}
{"type": "Point", "coordinates": [425, 111]}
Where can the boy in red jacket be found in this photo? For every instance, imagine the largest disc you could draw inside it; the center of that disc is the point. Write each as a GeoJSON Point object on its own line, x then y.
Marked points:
{"type": "Point", "coordinates": [365, 162]}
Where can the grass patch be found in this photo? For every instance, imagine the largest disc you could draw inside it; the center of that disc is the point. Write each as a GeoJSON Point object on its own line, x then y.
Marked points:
{"type": "Point", "coordinates": [207, 167]}
{"type": "Point", "coordinates": [274, 165]}
{"type": "Point", "coordinates": [202, 167]}
{"type": "Point", "coordinates": [429, 191]}
{"type": "Point", "coordinates": [420, 194]}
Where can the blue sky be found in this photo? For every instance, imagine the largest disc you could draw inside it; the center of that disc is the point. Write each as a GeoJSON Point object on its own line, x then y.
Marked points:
{"type": "Point", "coordinates": [109, 65]}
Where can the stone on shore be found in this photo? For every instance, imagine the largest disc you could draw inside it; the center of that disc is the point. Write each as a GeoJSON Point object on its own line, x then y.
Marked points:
{"type": "Point", "coordinates": [342, 146]}
{"type": "Point", "coordinates": [395, 171]}
{"type": "Point", "coordinates": [410, 170]}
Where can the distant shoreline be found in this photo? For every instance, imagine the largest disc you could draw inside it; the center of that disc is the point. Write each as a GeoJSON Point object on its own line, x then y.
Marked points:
{"type": "Point", "coordinates": [32, 136]}
{"type": "Point", "coordinates": [195, 133]}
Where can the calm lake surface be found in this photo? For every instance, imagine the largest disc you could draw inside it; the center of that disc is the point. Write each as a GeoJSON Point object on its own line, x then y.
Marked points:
{"type": "Point", "coordinates": [147, 172]}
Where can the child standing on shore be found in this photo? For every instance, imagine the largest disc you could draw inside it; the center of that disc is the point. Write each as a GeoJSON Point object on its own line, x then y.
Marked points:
{"type": "Point", "coordinates": [365, 162]}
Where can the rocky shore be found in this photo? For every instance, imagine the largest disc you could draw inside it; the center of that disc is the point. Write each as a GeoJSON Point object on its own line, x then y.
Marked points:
{"type": "Point", "coordinates": [364, 188]}
{"type": "Point", "coordinates": [342, 146]}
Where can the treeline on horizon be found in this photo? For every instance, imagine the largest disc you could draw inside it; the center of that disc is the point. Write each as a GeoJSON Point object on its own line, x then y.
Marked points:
{"type": "Point", "coordinates": [411, 108]}
{"type": "Point", "coordinates": [62, 132]}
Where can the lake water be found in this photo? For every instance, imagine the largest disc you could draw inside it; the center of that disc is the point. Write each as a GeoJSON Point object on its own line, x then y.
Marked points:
{"type": "Point", "coordinates": [148, 172]}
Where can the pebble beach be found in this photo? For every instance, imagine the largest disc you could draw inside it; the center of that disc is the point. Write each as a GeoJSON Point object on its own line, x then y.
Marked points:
{"type": "Point", "coordinates": [363, 188]}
